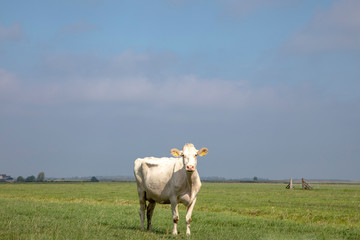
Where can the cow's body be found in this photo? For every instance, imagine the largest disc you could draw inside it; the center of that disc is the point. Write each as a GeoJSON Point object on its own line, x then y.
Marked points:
{"type": "Point", "coordinates": [168, 181]}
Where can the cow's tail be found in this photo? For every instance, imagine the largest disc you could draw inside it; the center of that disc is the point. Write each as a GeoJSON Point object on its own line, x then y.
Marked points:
{"type": "Point", "coordinates": [138, 172]}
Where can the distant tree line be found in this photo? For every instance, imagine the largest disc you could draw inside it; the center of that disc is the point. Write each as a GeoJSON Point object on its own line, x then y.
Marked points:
{"type": "Point", "coordinates": [40, 178]}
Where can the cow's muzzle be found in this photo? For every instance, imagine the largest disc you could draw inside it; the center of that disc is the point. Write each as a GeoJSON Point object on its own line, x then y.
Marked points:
{"type": "Point", "coordinates": [190, 168]}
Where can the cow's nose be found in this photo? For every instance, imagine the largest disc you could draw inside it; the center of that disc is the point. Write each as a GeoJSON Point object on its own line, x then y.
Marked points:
{"type": "Point", "coordinates": [190, 168]}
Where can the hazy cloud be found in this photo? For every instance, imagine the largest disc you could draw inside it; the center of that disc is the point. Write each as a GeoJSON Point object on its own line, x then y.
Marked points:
{"type": "Point", "coordinates": [147, 63]}
{"type": "Point", "coordinates": [79, 27]}
{"type": "Point", "coordinates": [336, 28]}
{"type": "Point", "coordinates": [242, 8]}
{"type": "Point", "coordinates": [133, 78]}
{"type": "Point", "coordinates": [188, 91]}
{"type": "Point", "coordinates": [12, 33]}
{"type": "Point", "coordinates": [127, 63]}
{"type": "Point", "coordinates": [8, 84]}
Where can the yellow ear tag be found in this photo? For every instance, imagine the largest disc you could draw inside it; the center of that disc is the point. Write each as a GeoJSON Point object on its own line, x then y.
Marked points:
{"type": "Point", "coordinates": [203, 152]}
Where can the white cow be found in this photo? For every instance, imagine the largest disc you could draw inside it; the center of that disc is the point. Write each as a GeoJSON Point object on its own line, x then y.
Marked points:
{"type": "Point", "coordinates": [169, 181]}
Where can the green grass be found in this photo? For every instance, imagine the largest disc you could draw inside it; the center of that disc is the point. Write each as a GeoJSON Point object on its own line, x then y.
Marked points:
{"type": "Point", "coordinates": [223, 211]}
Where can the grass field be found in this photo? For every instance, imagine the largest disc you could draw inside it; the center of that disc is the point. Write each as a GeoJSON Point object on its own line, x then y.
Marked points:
{"type": "Point", "coordinates": [223, 211]}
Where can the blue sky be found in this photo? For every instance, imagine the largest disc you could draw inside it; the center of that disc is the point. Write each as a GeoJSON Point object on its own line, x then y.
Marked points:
{"type": "Point", "coordinates": [270, 87]}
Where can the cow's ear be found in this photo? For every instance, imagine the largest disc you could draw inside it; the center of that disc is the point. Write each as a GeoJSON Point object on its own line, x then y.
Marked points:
{"type": "Point", "coordinates": [175, 152]}
{"type": "Point", "coordinates": [203, 152]}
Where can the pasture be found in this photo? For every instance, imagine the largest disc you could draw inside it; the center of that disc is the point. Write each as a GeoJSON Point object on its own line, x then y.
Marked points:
{"type": "Point", "coordinates": [223, 211]}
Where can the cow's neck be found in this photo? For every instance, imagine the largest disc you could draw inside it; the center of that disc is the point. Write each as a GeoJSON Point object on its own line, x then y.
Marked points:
{"type": "Point", "coordinates": [194, 182]}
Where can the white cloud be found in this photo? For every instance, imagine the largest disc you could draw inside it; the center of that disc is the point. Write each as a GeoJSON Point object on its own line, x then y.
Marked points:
{"type": "Point", "coordinates": [181, 91]}
{"type": "Point", "coordinates": [336, 28]}
{"type": "Point", "coordinates": [11, 33]}
{"type": "Point", "coordinates": [188, 91]}
{"type": "Point", "coordinates": [133, 78]}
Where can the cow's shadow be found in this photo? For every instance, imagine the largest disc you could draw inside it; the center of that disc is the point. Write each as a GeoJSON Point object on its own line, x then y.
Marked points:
{"type": "Point", "coordinates": [157, 231]}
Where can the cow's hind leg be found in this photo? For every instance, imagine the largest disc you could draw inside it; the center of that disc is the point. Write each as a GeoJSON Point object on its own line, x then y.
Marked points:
{"type": "Point", "coordinates": [149, 213]}
{"type": "Point", "coordinates": [142, 200]}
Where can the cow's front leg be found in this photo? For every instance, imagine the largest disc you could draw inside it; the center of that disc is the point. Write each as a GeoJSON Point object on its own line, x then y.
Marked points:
{"type": "Point", "coordinates": [175, 213]}
{"type": "Point", "coordinates": [188, 216]}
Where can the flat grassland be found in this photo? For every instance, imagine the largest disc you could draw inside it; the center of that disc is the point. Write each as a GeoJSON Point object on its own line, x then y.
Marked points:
{"type": "Point", "coordinates": [223, 211]}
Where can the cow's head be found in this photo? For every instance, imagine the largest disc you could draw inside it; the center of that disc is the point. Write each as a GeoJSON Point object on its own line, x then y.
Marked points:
{"type": "Point", "coordinates": [189, 154]}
